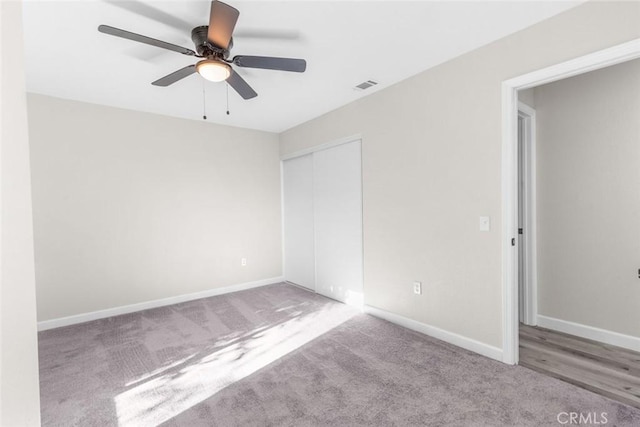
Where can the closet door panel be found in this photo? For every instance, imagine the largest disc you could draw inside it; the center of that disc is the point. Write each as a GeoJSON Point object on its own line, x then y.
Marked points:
{"type": "Point", "coordinates": [337, 206]}
{"type": "Point", "coordinates": [297, 185]}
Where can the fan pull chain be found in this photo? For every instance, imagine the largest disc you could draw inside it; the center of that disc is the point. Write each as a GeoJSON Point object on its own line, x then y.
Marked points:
{"type": "Point", "coordinates": [204, 103]}
{"type": "Point", "coordinates": [227, 99]}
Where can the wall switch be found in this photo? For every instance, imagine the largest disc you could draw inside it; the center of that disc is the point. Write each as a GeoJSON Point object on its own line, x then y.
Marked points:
{"type": "Point", "coordinates": [417, 288]}
{"type": "Point", "coordinates": [243, 262]}
{"type": "Point", "coordinates": [485, 223]}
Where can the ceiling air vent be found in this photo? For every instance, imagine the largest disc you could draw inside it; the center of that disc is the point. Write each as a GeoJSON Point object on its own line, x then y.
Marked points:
{"type": "Point", "coordinates": [366, 85]}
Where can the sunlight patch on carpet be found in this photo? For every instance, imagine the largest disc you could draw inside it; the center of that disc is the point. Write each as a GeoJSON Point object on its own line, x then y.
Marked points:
{"type": "Point", "coordinates": [158, 397]}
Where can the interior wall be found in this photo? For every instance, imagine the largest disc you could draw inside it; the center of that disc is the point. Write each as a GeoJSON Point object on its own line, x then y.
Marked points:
{"type": "Point", "coordinates": [19, 389]}
{"type": "Point", "coordinates": [527, 96]}
{"type": "Point", "coordinates": [588, 195]}
{"type": "Point", "coordinates": [431, 148]}
{"type": "Point", "coordinates": [131, 207]}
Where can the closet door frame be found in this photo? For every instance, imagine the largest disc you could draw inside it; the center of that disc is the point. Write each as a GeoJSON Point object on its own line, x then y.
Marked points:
{"type": "Point", "coordinates": [311, 150]}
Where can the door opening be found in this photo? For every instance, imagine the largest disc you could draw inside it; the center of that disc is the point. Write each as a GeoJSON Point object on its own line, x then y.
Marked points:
{"type": "Point", "coordinates": [593, 61]}
{"type": "Point", "coordinates": [526, 226]}
{"type": "Point", "coordinates": [521, 266]}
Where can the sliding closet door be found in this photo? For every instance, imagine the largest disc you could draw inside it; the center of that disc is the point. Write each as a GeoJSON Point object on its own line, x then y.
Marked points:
{"type": "Point", "coordinates": [297, 183]}
{"type": "Point", "coordinates": [337, 200]}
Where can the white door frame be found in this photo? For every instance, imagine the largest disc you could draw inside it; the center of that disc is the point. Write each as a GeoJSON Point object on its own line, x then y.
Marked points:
{"type": "Point", "coordinates": [604, 58]}
{"type": "Point", "coordinates": [528, 115]}
{"type": "Point", "coordinates": [304, 152]}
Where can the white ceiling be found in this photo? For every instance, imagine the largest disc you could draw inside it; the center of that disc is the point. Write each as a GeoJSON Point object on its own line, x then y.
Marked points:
{"type": "Point", "coordinates": [344, 43]}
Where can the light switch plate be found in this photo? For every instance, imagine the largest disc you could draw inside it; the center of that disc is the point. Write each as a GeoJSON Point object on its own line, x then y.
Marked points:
{"type": "Point", "coordinates": [485, 223]}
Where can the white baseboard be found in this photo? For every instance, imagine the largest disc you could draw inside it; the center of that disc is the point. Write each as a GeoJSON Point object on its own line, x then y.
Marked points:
{"type": "Point", "coordinates": [450, 337]}
{"type": "Point", "coordinates": [590, 332]}
{"type": "Point", "coordinates": [116, 311]}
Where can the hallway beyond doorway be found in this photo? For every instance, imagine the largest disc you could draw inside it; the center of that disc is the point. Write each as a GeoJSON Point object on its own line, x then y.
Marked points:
{"type": "Point", "coordinates": [605, 369]}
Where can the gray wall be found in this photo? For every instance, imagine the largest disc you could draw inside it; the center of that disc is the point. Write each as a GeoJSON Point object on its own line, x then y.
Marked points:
{"type": "Point", "coordinates": [19, 388]}
{"type": "Point", "coordinates": [527, 97]}
{"type": "Point", "coordinates": [588, 195]}
{"type": "Point", "coordinates": [431, 152]}
{"type": "Point", "coordinates": [130, 207]}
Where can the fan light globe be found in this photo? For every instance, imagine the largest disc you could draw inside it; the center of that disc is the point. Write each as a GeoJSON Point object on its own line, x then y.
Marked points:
{"type": "Point", "coordinates": [212, 70]}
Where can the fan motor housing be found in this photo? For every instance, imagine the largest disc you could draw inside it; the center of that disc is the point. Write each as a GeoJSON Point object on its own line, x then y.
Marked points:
{"type": "Point", "coordinates": [206, 49]}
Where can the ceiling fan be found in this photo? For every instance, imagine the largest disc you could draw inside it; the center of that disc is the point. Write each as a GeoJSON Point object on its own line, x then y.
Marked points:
{"type": "Point", "coordinates": [213, 44]}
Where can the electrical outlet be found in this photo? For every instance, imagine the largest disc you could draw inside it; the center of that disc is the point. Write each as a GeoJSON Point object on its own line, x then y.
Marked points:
{"type": "Point", "coordinates": [243, 262]}
{"type": "Point", "coordinates": [417, 288]}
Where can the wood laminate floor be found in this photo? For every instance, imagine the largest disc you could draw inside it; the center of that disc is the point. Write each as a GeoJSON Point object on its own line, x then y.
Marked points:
{"type": "Point", "coordinates": [610, 371]}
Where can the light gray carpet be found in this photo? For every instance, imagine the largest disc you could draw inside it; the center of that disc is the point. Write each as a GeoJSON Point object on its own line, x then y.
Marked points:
{"type": "Point", "coordinates": [281, 356]}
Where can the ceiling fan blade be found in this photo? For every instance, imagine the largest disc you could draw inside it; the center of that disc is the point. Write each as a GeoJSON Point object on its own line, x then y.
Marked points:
{"type": "Point", "coordinates": [271, 63]}
{"type": "Point", "coordinates": [106, 29]}
{"type": "Point", "coordinates": [175, 76]}
{"type": "Point", "coordinates": [241, 86]}
{"type": "Point", "coordinates": [152, 12]}
{"type": "Point", "coordinates": [222, 21]}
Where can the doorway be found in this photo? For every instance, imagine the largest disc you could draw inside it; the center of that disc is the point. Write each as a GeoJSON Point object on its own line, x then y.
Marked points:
{"type": "Point", "coordinates": [510, 252]}
{"type": "Point", "coordinates": [526, 237]}
{"type": "Point", "coordinates": [586, 332]}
